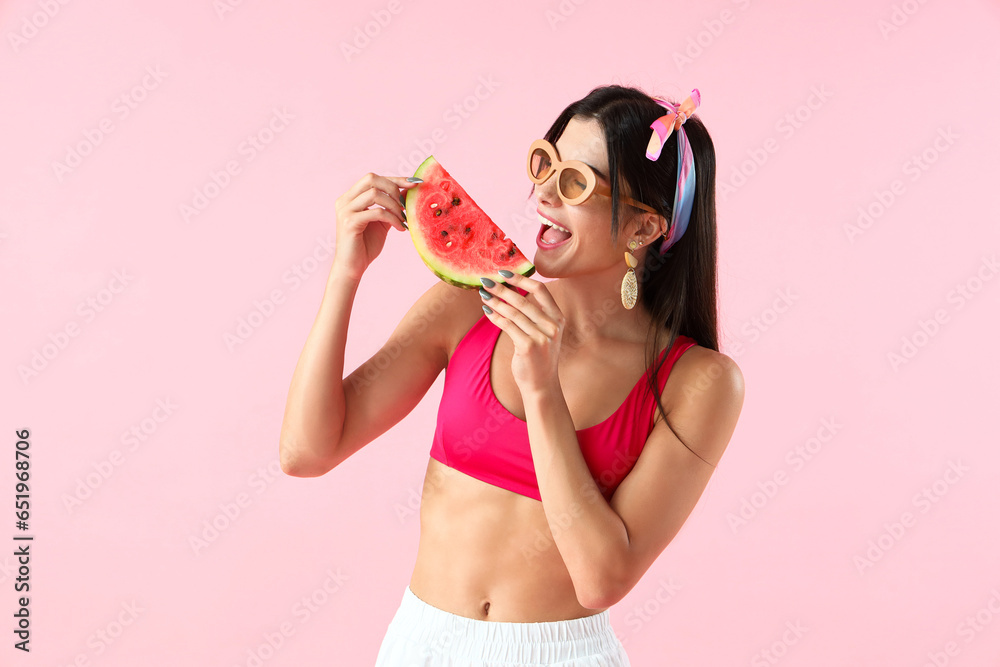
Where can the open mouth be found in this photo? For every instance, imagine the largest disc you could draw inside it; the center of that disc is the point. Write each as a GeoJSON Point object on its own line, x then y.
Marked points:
{"type": "Point", "coordinates": [550, 234]}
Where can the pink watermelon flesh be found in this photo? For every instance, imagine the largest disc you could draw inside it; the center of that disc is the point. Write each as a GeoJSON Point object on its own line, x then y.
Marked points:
{"type": "Point", "coordinates": [453, 236]}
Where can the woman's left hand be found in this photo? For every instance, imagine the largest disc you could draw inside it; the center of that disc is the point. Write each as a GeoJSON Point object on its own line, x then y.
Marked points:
{"type": "Point", "coordinates": [535, 325]}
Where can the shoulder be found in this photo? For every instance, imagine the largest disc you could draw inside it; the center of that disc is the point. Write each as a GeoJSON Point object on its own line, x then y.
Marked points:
{"type": "Point", "coordinates": [706, 373]}
{"type": "Point", "coordinates": [703, 399]}
{"type": "Point", "coordinates": [449, 312]}
{"type": "Point", "coordinates": [436, 319]}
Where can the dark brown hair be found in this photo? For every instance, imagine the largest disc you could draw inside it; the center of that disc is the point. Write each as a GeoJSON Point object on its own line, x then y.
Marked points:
{"type": "Point", "coordinates": [679, 288]}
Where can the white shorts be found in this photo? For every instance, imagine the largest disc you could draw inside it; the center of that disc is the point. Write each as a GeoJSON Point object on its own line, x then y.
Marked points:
{"type": "Point", "coordinates": [421, 635]}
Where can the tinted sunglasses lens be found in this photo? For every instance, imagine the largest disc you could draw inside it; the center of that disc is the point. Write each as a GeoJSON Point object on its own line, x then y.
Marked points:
{"type": "Point", "coordinates": [541, 163]}
{"type": "Point", "coordinates": [572, 183]}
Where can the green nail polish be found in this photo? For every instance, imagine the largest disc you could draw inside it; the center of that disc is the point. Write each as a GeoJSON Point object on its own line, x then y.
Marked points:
{"type": "Point", "coordinates": [487, 282]}
{"type": "Point", "coordinates": [414, 179]}
{"type": "Point", "coordinates": [505, 273]}
{"type": "Point", "coordinates": [486, 295]}
{"type": "Point", "coordinates": [487, 309]}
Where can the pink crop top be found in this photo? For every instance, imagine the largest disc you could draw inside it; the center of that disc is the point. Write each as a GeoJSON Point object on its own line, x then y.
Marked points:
{"type": "Point", "coordinates": [476, 435]}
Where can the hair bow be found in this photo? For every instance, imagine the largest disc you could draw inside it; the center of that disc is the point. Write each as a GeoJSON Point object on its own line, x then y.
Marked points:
{"type": "Point", "coordinates": [662, 128]}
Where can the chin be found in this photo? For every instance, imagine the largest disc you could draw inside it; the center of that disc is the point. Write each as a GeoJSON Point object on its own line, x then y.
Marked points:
{"type": "Point", "coordinates": [539, 268]}
{"type": "Point", "coordinates": [542, 269]}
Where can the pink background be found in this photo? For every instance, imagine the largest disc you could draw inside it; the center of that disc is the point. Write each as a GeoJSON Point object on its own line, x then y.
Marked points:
{"type": "Point", "coordinates": [817, 111]}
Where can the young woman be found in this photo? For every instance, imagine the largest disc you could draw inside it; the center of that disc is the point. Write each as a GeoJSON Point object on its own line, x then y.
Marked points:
{"type": "Point", "coordinates": [564, 461]}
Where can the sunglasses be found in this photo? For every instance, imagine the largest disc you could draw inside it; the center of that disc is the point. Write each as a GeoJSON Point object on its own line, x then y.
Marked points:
{"type": "Point", "coordinates": [575, 180]}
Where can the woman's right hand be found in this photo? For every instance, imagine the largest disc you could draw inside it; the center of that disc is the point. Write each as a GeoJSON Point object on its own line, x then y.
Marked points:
{"type": "Point", "coordinates": [361, 231]}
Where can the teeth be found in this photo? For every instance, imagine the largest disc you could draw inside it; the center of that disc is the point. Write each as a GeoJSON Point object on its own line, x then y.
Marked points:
{"type": "Point", "coordinates": [549, 223]}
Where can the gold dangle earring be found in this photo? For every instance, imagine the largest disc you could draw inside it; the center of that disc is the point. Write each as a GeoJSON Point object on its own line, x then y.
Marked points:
{"type": "Point", "coordinates": [630, 287]}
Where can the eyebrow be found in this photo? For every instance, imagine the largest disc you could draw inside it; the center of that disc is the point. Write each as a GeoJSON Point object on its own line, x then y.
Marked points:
{"type": "Point", "coordinates": [597, 171]}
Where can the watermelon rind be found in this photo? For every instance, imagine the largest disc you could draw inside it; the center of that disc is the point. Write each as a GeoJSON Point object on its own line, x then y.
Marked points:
{"type": "Point", "coordinates": [525, 269]}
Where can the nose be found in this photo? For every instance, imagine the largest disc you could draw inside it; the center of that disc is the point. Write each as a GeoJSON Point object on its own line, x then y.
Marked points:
{"type": "Point", "coordinates": [546, 193]}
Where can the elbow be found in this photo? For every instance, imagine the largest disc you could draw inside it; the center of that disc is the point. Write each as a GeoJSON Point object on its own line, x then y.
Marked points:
{"type": "Point", "coordinates": [609, 580]}
{"type": "Point", "coordinates": [295, 464]}
{"type": "Point", "coordinates": [598, 599]}
{"type": "Point", "coordinates": [605, 590]}
{"type": "Point", "coordinates": [289, 465]}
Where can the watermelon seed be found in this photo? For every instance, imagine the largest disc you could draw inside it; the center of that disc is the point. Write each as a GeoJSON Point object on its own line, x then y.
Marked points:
{"type": "Point", "coordinates": [434, 205]}
{"type": "Point", "coordinates": [437, 212]}
{"type": "Point", "coordinates": [444, 233]}
{"type": "Point", "coordinates": [448, 244]}
{"type": "Point", "coordinates": [456, 201]}
{"type": "Point", "coordinates": [468, 229]}
{"type": "Point", "coordinates": [494, 235]}
{"type": "Point", "coordinates": [510, 253]}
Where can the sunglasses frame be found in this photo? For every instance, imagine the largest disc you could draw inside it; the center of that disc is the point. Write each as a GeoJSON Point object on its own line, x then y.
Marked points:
{"type": "Point", "coordinates": [556, 166]}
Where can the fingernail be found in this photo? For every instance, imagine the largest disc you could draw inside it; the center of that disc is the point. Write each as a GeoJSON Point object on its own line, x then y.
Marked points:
{"type": "Point", "coordinates": [487, 309]}
{"type": "Point", "coordinates": [487, 282]}
{"type": "Point", "coordinates": [414, 179]}
{"type": "Point", "coordinates": [505, 273]}
{"type": "Point", "coordinates": [486, 295]}
{"type": "Point", "coordinates": [405, 226]}
{"type": "Point", "coordinates": [402, 199]}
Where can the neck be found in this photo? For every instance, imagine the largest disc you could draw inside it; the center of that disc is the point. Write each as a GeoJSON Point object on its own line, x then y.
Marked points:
{"type": "Point", "coordinates": [592, 305]}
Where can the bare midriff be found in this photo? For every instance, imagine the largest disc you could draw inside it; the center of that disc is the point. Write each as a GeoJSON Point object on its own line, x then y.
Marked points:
{"type": "Point", "coordinates": [487, 553]}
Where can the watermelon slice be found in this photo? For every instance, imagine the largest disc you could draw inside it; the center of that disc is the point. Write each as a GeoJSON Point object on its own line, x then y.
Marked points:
{"type": "Point", "coordinates": [454, 237]}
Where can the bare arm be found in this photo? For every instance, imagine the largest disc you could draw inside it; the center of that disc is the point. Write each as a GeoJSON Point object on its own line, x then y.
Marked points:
{"type": "Point", "coordinates": [316, 404]}
{"type": "Point", "coordinates": [328, 417]}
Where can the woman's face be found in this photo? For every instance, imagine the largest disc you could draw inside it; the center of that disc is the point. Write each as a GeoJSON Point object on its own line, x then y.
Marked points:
{"type": "Point", "coordinates": [588, 248]}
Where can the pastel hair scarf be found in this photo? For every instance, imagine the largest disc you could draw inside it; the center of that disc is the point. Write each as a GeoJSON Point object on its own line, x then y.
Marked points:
{"type": "Point", "coordinates": [662, 128]}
